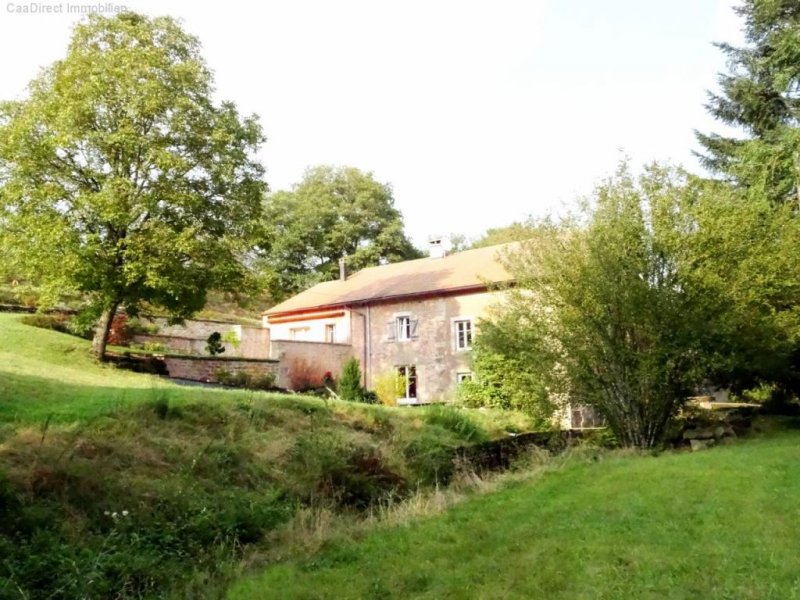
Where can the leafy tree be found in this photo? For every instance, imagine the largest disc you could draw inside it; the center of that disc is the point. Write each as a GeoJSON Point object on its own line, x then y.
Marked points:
{"type": "Point", "coordinates": [350, 382]}
{"type": "Point", "coordinates": [122, 179]}
{"type": "Point", "coordinates": [600, 307]}
{"type": "Point", "coordinates": [761, 96]}
{"type": "Point", "coordinates": [332, 213]}
{"type": "Point", "coordinates": [515, 232]}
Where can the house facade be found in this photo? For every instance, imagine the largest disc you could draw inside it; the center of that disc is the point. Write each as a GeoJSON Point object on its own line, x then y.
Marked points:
{"type": "Point", "coordinates": [416, 318]}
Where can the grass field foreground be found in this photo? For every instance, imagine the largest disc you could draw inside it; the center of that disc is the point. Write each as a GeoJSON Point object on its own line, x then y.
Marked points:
{"type": "Point", "coordinates": [714, 524]}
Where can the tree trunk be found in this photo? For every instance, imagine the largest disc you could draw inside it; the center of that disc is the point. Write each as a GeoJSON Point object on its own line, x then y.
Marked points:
{"type": "Point", "coordinates": [100, 339]}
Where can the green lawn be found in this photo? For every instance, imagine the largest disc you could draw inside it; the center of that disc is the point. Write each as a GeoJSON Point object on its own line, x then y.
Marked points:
{"type": "Point", "coordinates": [46, 374]}
{"type": "Point", "coordinates": [716, 524]}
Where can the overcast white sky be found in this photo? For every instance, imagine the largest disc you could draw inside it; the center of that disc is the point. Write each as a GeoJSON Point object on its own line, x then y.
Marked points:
{"type": "Point", "coordinates": [478, 113]}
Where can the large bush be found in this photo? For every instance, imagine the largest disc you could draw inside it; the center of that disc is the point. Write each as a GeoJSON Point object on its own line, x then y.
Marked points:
{"type": "Point", "coordinates": [602, 314]}
{"type": "Point", "coordinates": [505, 381]}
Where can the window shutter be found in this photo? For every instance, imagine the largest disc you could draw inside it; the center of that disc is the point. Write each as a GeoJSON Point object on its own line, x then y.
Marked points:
{"type": "Point", "coordinates": [414, 324]}
{"type": "Point", "coordinates": [391, 331]}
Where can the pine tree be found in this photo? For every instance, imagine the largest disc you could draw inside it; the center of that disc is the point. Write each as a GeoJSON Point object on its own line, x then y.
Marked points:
{"type": "Point", "coordinates": [760, 95]}
{"type": "Point", "coordinates": [350, 382]}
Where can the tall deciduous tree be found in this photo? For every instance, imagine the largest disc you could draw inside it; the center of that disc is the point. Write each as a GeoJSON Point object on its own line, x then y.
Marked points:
{"type": "Point", "coordinates": [332, 213]}
{"type": "Point", "coordinates": [602, 312]}
{"type": "Point", "coordinates": [760, 95]}
{"type": "Point", "coordinates": [122, 179]}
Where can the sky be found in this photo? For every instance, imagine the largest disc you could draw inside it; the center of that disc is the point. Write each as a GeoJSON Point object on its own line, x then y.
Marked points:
{"type": "Point", "coordinates": [477, 113]}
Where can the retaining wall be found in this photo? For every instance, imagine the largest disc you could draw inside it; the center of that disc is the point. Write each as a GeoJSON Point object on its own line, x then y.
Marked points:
{"type": "Point", "coordinates": [201, 368]}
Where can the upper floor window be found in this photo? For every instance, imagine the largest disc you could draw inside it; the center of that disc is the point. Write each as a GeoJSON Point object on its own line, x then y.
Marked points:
{"type": "Point", "coordinates": [330, 333]}
{"type": "Point", "coordinates": [463, 334]}
{"type": "Point", "coordinates": [402, 328]}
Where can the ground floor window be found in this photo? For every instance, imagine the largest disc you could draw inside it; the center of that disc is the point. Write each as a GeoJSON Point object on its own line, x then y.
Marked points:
{"type": "Point", "coordinates": [408, 373]}
{"type": "Point", "coordinates": [463, 376]}
{"type": "Point", "coordinates": [330, 333]}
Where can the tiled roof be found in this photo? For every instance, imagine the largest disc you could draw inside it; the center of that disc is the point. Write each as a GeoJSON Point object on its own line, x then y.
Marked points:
{"type": "Point", "coordinates": [462, 270]}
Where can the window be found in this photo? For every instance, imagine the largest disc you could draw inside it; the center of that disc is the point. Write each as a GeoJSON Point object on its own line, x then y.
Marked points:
{"type": "Point", "coordinates": [330, 333]}
{"type": "Point", "coordinates": [409, 375]}
{"type": "Point", "coordinates": [299, 333]}
{"type": "Point", "coordinates": [463, 333]}
{"type": "Point", "coordinates": [463, 376]}
{"type": "Point", "coordinates": [403, 325]}
{"type": "Point", "coordinates": [402, 328]}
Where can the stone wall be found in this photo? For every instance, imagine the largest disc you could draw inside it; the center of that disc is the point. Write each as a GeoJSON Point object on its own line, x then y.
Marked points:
{"type": "Point", "coordinates": [202, 368]}
{"type": "Point", "coordinates": [179, 345]}
{"type": "Point", "coordinates": [316, 357]}
{"type": "Point", "coordinates": [192, 328]}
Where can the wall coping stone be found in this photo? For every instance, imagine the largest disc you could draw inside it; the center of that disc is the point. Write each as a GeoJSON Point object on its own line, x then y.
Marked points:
{"type": "Point", "coordinates": [219, 357]}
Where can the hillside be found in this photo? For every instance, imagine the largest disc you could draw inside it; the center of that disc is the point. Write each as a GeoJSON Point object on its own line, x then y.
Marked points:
{"type": "Point", "coordinates": [115, 484]}
{"type": "Point", "coordinates": [715, 524]}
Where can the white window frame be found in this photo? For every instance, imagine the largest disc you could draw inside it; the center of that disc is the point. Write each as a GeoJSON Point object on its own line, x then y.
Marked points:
{"type": "Point", "coordinates": [455, 324]}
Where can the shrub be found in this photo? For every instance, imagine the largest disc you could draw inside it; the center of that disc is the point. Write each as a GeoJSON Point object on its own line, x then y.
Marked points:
{"type": "Point", "coordinates": [389, 387]}
{"type": "Point", "coordinates": [503, 382]}
{"type": "Point", "coordinates": [232, 338]}
{"type": "Point", "coordinates": [214, 344]}
{"type": "Point", "coordinates": [264, 382]}
{"type": "Point", "coordinates": [304, 376]}
{"type": "Point", "coordinates": [119, 334]}
{"type": "Point", "coordinates": [350, 382]}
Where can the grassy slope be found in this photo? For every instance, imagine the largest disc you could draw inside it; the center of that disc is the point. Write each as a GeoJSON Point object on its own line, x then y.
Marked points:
{"type": "Point", "coordinates": [716, 524]}
{"type": "Point", "coordinates": [202, 473]}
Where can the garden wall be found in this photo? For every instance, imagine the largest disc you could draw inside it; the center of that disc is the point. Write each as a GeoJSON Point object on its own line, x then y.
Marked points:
{"type": "Point", "coordinates": [192, 337]}
{"type": "Point", "coordinates": [202, 368]}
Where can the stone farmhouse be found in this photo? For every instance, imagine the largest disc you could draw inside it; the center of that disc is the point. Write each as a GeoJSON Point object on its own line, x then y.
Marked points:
{"type": "Point", "coordinates": [417, 318]}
